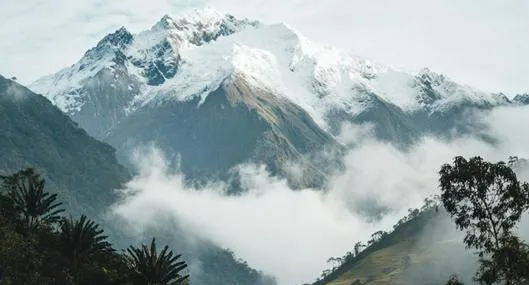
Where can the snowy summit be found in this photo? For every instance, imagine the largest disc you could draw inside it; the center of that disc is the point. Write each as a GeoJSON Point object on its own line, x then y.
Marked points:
{"type": "Point", "coordinates": [192, 54]}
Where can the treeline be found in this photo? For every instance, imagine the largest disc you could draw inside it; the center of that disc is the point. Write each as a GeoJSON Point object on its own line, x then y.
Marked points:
{"type": "Point", "coordinates": [410, 223]}
{"type": "Point", "coordinates": [486, 201]}
{"type": "Point", "coordinates": [41, 244]}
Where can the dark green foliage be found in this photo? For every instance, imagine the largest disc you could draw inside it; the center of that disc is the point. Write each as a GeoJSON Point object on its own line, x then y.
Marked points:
{"type": "Point", "coordinates": [38, 247]}
{"type": "Point", "coordinates": [19, 259]}
{"type": "Point", "coordinates": [147, 266]}
{"type": "Point", "coordinates": [82, 170]}
{"type": "Point", "coordinates": [25, 196]}
{"type": "Point", "coordinates": [81, 240]}
{"type": "Point", "coordinates": [487, 201]}
{"type": "Point", "coordinates": [507, 265]}
{"type": "Point", "coordinates": [454, 280]}
{"type": "Point", "coordinates": [484, 198]}
{"type": "Point", "coordinates": [224, 265]}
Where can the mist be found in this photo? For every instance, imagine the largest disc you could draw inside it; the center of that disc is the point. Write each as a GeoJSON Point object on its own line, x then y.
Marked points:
{"type": "Point", "coordinates": [291, 233]}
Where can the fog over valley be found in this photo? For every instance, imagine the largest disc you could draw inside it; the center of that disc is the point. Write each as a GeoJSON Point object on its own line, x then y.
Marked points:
{"type": "Point", "coordinates": [214, 142]}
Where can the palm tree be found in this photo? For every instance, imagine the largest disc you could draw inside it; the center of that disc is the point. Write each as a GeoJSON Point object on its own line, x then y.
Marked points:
{"type": "Point", "coordinates": [454, 280]}
{"type": "Point", "coordinates": [31, 205]}
{"type": "Point", "coordinates": [81, 240]}
{"type": "Point", "coordinates": [149, 267]}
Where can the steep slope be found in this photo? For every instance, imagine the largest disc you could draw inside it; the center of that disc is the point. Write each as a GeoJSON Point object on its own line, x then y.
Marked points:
{"type": "Point", "coordinates": [169, 84]}
{"type": "Point", "coordinates": [85, 173]}
{"type": "Point", "coordinates": [424, 250]}
{"type": "Point", "coordinates": [234, 124]}
{"type": "Point", "coordinates": [100, 89]}
{"type": "Point", "coordinates": [37, 134]}
{"type": "Point", "coordinates": [208, 128]}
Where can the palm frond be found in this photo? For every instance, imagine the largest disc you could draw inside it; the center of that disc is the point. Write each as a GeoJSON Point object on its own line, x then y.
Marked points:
{"type": "Point", "coordinates": [29, 201]}
{"type": "Point", "coordinates": [147, 265]}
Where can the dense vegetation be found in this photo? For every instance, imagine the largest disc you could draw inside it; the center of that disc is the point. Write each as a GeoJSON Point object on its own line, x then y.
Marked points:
{"type": "Point", "coordinates": [40, 245]}
{"type": "Point", "coordinates": [486, 200]}
{"type": "Point", "coordinates": [84, 173]}
{"type": "Point", "coordinates": [83, 170]}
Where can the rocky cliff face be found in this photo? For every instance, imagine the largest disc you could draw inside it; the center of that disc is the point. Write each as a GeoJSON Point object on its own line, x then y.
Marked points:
{"type": "Point", "coordinates": [214, 91]}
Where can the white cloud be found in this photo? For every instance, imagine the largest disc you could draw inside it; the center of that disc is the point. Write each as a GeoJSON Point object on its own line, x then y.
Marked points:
{"type": "Point", "coordinates": [509, 124]}
{"type": "Point", "coordinates": [479, 44]}
{"type": "Point", "coordinates": [291, 233]}
{"type": "Point", "coordinates": [40, 37]}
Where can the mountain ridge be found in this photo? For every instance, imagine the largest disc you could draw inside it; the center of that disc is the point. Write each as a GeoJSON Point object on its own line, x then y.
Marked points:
{"type": "Point", "coordinates": [129, 79]}
{"type": "Point", "coordinates": [85, 173]}
{"type": "Point", "coordinates": [170, 43]}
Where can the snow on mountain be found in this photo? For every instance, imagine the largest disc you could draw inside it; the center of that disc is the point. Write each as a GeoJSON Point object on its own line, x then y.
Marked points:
{"type": "Point", "coordinates": [192, 54]}
{"type": "Point", "coordinates": [521, 99]}
{"type": "Point", "coordinates": [151, 57]}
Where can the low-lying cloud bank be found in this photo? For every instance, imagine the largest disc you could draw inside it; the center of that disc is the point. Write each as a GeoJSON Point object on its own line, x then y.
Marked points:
{"type": "Point", "coordinates": [290, 233]}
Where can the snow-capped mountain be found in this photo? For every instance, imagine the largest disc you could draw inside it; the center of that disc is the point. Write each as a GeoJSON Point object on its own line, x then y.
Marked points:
{"type": "Point", "coordinates": [207, 84]}
{"type": "Point", "coordinates": [123, 68]}
{"type": "Point", "coordinates": [522, 99]}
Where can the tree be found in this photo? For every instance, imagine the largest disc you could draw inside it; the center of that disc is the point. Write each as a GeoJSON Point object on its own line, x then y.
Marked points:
{"type": "Point", "coordinates": [509, 264]}
{"type": "Point", "coordinates": [487, 201]}
{"type": "Point", "coordinates": [19, 260]}
{"type": "Point", "coordinates": [454, 280]}
{"type": "Point", "coordinates": [147, 266]}
{"type": "Point", "coordinates": [325, 273]}
{"type": "Point", "coordinates": [377, 236]}
{"type": "Point", "coordinates": [413, 213]}
{"type": "Point", "coordinates": [512, 160]}
{"type": "Point", "coordinates": [80, 241]}
{"type": "Point", "coordinates": [335, 262]}
{"type": "Point", "coordinates": [348, 256]}
{"type": "Point", "coordinates": [428, 204]}
{"type": "Point", "coordinates": [27, 200]}
{"type": "Point", "coordinates": [358, 248]}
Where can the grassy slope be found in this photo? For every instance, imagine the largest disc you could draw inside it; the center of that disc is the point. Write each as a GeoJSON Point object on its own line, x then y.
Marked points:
{"type": "Point", "coordinates": [413, 254]}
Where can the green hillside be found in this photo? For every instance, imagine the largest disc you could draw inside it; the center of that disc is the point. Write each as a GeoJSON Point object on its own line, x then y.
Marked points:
{"type": "Point", "coordinates": [422, 249]}
{"type": "Point", "coordinates": [85, 173]}
{"type": "Point", "coordinates": [34, 133]}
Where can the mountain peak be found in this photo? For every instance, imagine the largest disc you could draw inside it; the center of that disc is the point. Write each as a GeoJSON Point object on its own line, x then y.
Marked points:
{"type": "Point", "coordinates": [207, 14]}
{"type": "Point", "coordinates": [198, 26]}
{"type": "Point", "coordinates": [522, 99]}
{"type": "Point", "coordinates": [194, 17]}
{"type": "Point", "coordinates": [431, 77]}
{"type": "Point", "coordinates": [118, 39]}
{"type": "Point", "coordinates": [188, 55]}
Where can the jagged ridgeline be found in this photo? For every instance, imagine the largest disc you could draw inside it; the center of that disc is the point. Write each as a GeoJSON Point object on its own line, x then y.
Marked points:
{"type": "Point", "coordinates": [85, 172]}
{"type": "Point", "coordinates": [213, 91]}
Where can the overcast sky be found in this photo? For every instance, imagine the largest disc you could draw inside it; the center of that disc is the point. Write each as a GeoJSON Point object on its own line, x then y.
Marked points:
{"type": "Point", "coordinates": [480, 43]}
